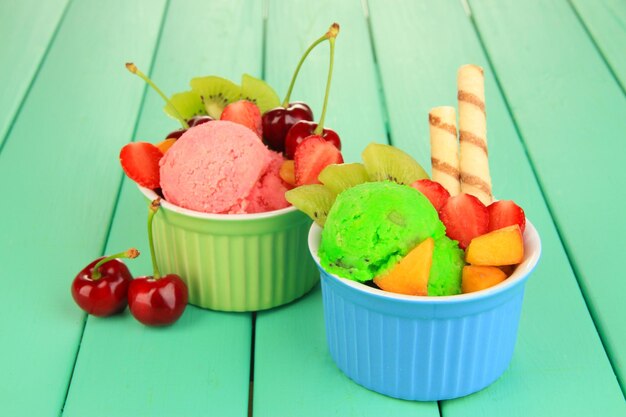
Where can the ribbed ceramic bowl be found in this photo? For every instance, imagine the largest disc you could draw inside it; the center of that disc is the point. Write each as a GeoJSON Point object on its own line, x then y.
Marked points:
{"type": "Point", "coordinates": [235, 262]}
{"type": "Point", "coordinates": [423, 348]}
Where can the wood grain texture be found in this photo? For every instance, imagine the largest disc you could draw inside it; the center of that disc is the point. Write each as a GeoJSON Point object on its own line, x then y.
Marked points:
{"type": "Point", "coordinates": [571, 115]}
{"type": "Point", "coordinates": [420, 46]}
{"type": "Point", "coordinates": [606, 22]}
{"type": "Point", "coordinates": [201, 365]}
{"type": "Point", "coordinates": [55, 171]}
{"type": "Point", "coordinates": [294, 373]}
{"type": "Point", "coordinates": [26, 29]}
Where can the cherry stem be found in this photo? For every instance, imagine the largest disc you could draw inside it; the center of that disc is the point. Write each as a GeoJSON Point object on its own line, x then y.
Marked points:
{"type": "Point", "coordinates": [129, 254]}
{"type": "Point", "coordinates": [154, 207]}
{"type": "Point", "coordinates": [133, 68]}
{"type": "Point", "coordinates": [302, 59]}
{"type": "Point", "coordinates": [332, 34]}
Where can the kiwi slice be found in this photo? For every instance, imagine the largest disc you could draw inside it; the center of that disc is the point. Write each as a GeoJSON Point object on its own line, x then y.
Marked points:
{"type": "Point", "coordinates": [340, 177]}
{"type": "Point", "coordinates": [384, 162]}
{"type": "Point", "coordinates": [188, 104]}
{"type": "Point", "coordinates": [215, 93]}
{"type": "Point", "coordinates": [259, 92]}
{"type": "Point", "coordinates": [314, 200]}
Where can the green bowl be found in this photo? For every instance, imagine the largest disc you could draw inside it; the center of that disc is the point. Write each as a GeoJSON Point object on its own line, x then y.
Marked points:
{"type": "Point", "coordinates": [235, 262]}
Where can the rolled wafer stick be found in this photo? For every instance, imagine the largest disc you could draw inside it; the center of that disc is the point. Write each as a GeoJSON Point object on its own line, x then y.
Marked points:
{"type": "Point", "coordinates": [444, 149]}
{"type": "Point", "coordinates": [475, 178]}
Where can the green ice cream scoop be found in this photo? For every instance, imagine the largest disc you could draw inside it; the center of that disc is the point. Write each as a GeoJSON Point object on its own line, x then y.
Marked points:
{"type": "Point", "coordinates": [447, 268]}
{"type": "Point", "coordinates": [372, 226]}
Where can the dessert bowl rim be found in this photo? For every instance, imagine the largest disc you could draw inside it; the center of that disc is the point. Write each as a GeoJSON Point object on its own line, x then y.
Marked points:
{"type": "Point", "coordinates": [151, 195]}
{"type": "Point", "coordinates": [532, 253]}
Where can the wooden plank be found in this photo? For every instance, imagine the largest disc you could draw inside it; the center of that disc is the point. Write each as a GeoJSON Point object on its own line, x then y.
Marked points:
{"type": "Point", "coordinates": [294, 373]}
{"type": "Point", "coordinates": [201, 365]}
{"type": "Point", "coordinates": [55, 167]}
{"type": "Point", "coordinates": [26, 29]}
{"type": "Point", "coordinates": [420, 46]}
{"type": "Point", "coordinates": [606, 22]}
{"type": "Point", "coordinates": [574, 137]}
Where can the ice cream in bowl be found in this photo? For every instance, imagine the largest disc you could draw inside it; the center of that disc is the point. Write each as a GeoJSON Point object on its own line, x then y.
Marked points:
{"type": "Point", "coordinates": [422, 278]}
{"type": "Point", "coordinates": [426, 340]}
{"type": "Point", "coordinates": [225, 226]}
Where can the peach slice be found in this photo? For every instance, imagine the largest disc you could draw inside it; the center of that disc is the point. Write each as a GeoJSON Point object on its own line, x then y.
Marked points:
{"type": "Point", "coordinates": [165, 145]}
{"type": "Point", "coordinates": [501, 247]}
{"type": "Point", "coordinates": [410, 275]}
{"type": "Point", "coordinates": [287, 172]}
{"type": "Point", "coordinates": [476, 278]}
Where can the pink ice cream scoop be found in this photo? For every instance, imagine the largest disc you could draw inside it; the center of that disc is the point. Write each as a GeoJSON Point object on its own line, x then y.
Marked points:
{"type": "Point", "coordinates": [222, 167]}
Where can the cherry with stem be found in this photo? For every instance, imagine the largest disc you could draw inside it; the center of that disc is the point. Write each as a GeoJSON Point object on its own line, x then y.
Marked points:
{"type": "Point", "coordinates": [101, 288]}
{"type": "Point", "coordinates": [157, 300]}
{"type": "Point", "coordinates": [278, 121]}
{"type": "Point", "coordinates": [304, 129]}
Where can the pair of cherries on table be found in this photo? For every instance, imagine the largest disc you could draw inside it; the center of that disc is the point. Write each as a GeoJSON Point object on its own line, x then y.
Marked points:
{"type": "Point", "coordinates": [105, 287]}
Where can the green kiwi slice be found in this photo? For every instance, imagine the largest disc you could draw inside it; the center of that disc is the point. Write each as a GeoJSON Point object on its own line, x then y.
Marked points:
{"type": "Point", "coordinates": [340, 177]}
{"type": "Point", "coordinates": [314, 200]}
{"type": "Point", "coordinates": [259, 92]}
{"type": "Point", "coordinates": [385, 162]}
{"type": "Point", "coordinates": [215, 93]}
{"type": "Point", "coordinates": [188, 105]}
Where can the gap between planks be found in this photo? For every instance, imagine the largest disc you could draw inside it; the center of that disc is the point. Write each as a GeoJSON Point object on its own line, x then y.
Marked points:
{"type": "Point", "coordinates": [5, 138]}
{"type": "Point", "coordinates": [251, 384]}
{"type": "Point", "coordinates": [379, 78]}
{"type": "Point", "coordinates": [119, 190]}
{"type": "Point", "coordinates": [596, 46]}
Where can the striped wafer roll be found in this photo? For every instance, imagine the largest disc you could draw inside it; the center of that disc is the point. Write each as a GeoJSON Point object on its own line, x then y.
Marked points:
{"type": "Point", "coordinates": [444, 149]}
{"type": "Point", "coordinates": [475, 178]}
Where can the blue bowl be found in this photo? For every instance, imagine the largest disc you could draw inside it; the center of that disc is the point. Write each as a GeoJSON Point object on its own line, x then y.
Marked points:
{"type": "Point", "coordinates": [423, 348]}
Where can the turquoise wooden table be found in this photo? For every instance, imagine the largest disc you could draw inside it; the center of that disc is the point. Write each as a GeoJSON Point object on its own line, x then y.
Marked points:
{"type": "Point", "coordinates": [555, 80]}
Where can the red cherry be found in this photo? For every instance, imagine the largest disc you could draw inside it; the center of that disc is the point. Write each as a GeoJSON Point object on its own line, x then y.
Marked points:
{"type": "Point", "coordinates": [175, 134]}
{"type": "Point", "coordinates": [301, 131]}
{"type": "Point", "coordinates": [278, 121]}
{"type": "Point", "coordinates": [157, 302]}
{"type": "Point", "coordinates": [200, 119]}
{"type": "Point", "coordinates": [103, 293]}
{"type": "Point", "coordinates": [194, 121]}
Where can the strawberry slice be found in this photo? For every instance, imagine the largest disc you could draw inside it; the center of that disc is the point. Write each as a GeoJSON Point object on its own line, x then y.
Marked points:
{"type": "Point", "coordinates": [245, 113]}
{"type": "Point", "coordinates": [465, 218]}
{"type": "Point", "coordinates": [312, 155]}
{"type": "Point", "coordinates": [140, 161]}
{"type": "Point", "coordinates": [435, 192]}
{"type": "Point", "coordinates": [505, 213]}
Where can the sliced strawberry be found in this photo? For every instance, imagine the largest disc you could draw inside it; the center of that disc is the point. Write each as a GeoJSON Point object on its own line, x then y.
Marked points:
{"type": "Point", "coordinates": [140, 161]}
{"type": "Point", "coordinates": [245, 113]}
{"type": "Point", "coordinates": [505, 213]}
{"type": "Point", "coordinates": [435, 192]}
{"type": "Point", "coordinates": [312, 155]}
{"type": "Point", "coordinates": [465, 218]}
